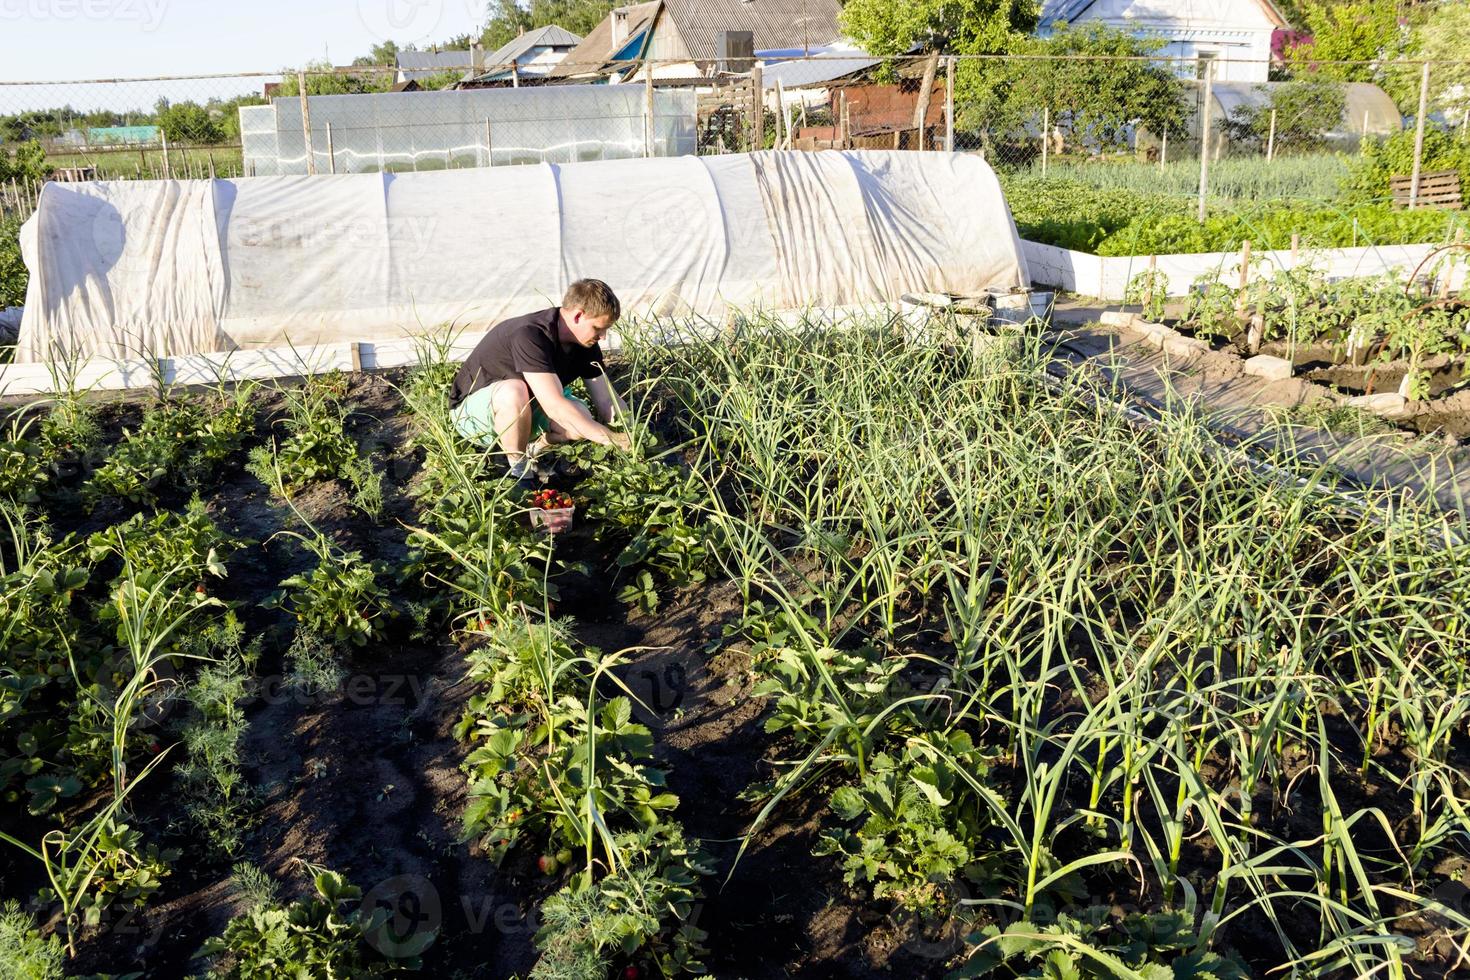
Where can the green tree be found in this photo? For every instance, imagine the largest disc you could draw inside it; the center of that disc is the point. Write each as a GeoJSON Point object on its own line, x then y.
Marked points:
{"type": "Point", "coordinates": [1363, 32]}
{"type": "Point", "coordinates": [1095, 101]}
{"type": "Point", "coordinates": [1443, 35]}
{"type": "Point", "coordinates": [1306, 109]}
{"type": "Point", "coordinates": [322, 80]}
{"type": "Point", "coordinates": [188, 122]}
{"type": "Point", "coordinates": [509, 18]}
{"type": "Point", "coordinates": [883, 27]}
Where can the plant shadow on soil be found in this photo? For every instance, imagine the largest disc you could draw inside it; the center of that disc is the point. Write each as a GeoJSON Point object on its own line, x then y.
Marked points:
{"type": "Point", "coordinates": [364, 779]}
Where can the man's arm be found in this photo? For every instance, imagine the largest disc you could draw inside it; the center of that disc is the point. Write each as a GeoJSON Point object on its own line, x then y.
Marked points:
{"type": "Point", "coordinates": [610, 407]}
{"type": "Point", "coordinates": [546, 389]}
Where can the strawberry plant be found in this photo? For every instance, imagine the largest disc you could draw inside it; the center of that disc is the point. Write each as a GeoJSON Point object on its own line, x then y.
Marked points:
{"type": "Point", "coordinates": [645, 907]}
{"type": "Point", "coordinates": [179, 441]}
{"type": "Point", "coordinates": [186, 544]}
{"type": "Point", "coordinates": [317, 446]}
{"type": "Point", "coordinates": [319, 936]}
{"type": "Point", "coordinates": [912, 824]}
{"type": "Point", "coordinates": [648, 510]}
{"type": "Point", "coordinates": [340, 599]}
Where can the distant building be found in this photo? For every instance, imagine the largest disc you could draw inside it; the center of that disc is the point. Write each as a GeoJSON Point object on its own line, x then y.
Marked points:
{"type": "Point", "coordinates": [419, 66]}
{"type": "Point", "coordinates": [529, 57]}
{"type": "Point", "coordinates": [122, 135]}
{"type": "Point", "coordinates": [696, 39]}
{"type": "Point", "coordinates": [1236, 34]}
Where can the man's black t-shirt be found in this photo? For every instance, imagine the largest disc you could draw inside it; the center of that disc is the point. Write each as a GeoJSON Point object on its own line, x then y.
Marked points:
{"type": "Point", "coordinates": [521, 345]}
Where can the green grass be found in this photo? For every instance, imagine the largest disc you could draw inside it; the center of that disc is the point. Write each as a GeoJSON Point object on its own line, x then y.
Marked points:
{"type": "Point", "coordinates": [148, 163]}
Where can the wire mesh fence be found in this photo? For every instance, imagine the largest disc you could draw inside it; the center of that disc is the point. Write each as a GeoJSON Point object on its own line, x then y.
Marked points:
{"type": "Point", "coordinates": [1217, 132]}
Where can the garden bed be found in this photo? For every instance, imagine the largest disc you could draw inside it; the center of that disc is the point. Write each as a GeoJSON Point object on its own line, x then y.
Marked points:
{"type": "Point", "coordinates": [902, 675]}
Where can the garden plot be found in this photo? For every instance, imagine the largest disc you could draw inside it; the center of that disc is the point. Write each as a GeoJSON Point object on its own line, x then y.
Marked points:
{"type": "Point", "coordinates": [877, 657]}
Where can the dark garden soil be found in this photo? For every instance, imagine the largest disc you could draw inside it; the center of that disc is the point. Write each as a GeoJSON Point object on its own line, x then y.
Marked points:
{"type": "Point", "coordinates": [365, 778]}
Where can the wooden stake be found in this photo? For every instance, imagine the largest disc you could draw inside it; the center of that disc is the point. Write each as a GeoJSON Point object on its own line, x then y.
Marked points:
{"type": "Point", "coordinates": [783, 131]}
{"type": "Point", "coordinates": [758, 97]}
{"type": "Point", "coordinates": [1207, 109]}
{"type": "Point", "coordinates": [306, 123]}
{"type": "Point", "coordinates": [647, 109]}
{"type": "Point", "coordinates": [1271, 140]}
{"type": "Point", "coordinates": [1245, 277]}
{"type": "Point", "coordinates": [1045, 136]}
{"type": "Point", "coordinates": [1419, 138]}
{"type": "Point", "coordinates": [949, 104]}
{"type": "Point", "coordinates": [1164, 148]}
{"type": "Point", "coordinates": [331, 151]}
{"type": "Point", "coordinates": [1296, 243]}
{"type": "Point", "coordinates": [489, 149]}
{"type": "Point", "coordinates": [167, 166]}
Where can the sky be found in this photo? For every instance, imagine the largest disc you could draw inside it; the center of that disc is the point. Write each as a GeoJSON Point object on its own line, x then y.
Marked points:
{"type": "Point", "coordinates": [52, 40]}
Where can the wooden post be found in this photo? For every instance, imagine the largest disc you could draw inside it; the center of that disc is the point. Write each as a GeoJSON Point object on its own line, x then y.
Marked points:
{"type": "Point", "coordinates": [1271, 140]}
{"type": "Point", "coordinates": [211, 165]}
{"type": "Point", "coordinates": [783, 130]}
{"type": "Point", "coordinates": [167, 164]}
{"type": "Point", "coordinates": [926, 91]}
{"type": "Point", "coordinates": [1045, 136]}
{"type": "Point", "coordinates": [1419, 138]}
{"type": "Point", "coordinates": [1296, 244]}
{"type": "Point", "coordinates": [949, 104]}
{"type": "Point", "coordinates": [1164, 148]}
{"type": "Point", "coordinates": [1245, 277]}
{"type": "Point", "coordinates": [306, 123]}
{"type": "Point", "coordinates": [331, 151]}
{"type": "Point", "coordinates": [647, 109]}
{"type": "Point", "coordinates": [842, 119]}
{"type": "Point", "coordinates": [489, 148]}
{"type": "Point", "coordinates": [515, 75]}
{"type": "Point", "coordinates": [1207, 112]}
{"type": "Point", "coordinates": [898, 139]}
{"type": "Point", "coordinates": [758, 105]}
{"type": "Point", "coordinates": [1148, 297]}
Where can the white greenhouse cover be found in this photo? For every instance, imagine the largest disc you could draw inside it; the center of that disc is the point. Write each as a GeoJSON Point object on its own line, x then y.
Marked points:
{"type": "Point", "coordinates": [155, 268]}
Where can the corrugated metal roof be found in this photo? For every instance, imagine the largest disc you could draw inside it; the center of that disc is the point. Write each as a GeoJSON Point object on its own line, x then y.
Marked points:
{"type": "Point", "coordinates": [434, 60]}
{"type": "Point", "coordinates": [550, 36]}
{"type": "Point", "coordinates": [796, 74]}
{"type": "Point", "coordinates": [1053, 11]}
{"type": "Point", "coordinates": [774, 24]}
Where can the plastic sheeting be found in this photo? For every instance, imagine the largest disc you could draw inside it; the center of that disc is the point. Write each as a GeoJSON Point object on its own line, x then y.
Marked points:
{"type": "Point", "coordinates": [415, 131]}
{"type": "Point", "coordinates": [147, 268]}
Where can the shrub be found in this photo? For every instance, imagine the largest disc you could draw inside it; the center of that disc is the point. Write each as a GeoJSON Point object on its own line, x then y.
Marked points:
{"type": "Point", "coordinates": [1382, 160]}
{"type": "Point", "coordinates": [13, 275]}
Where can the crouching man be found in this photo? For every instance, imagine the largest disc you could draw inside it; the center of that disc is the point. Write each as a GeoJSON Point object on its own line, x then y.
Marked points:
{"type": "Point", "coordinates": [514, 388]}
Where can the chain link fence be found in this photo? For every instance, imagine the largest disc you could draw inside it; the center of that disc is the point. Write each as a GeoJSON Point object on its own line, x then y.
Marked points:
{"type": "Point", "coordinates": [1217, 133]}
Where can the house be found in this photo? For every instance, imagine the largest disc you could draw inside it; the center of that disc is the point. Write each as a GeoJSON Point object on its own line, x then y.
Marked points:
{"type": "Point", "coordinates": [530, 56]}
{"type": "Point", "coordinates": [687, 39]}
{"type": "Point", "coordinates": [419, 66]}
{"type": "Point", "coordinates": [1236, 34]}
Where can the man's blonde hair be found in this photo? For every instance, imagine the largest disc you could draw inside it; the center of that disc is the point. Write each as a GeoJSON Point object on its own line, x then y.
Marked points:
{"type": "Point", "coordinates": [593, 297]}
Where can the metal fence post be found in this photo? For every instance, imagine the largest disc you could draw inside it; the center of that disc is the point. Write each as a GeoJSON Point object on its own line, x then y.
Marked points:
{"type": "Point", "coordinates": [949, 104]}
{"type": "Point", "coordinates": [1419, 137]}
{"type": "Point", "coordinates": [1206, 110]}
{"type": "Point", "coordinates": [306, 123]}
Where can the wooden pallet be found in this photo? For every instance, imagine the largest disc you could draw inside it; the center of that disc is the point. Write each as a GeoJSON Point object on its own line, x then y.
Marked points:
{"type": "Point", "coordinates": [1440, 189]}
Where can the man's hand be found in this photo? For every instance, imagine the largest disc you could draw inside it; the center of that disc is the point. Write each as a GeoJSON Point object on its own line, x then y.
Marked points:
{"type": "Point", "coordinates": [621, 440]}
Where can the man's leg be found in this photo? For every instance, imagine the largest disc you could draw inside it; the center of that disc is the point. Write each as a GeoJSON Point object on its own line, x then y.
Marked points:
{"type": "Point", "coordinates": [511, 403]}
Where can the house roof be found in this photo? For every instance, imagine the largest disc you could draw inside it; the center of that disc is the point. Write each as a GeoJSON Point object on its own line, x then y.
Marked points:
{"type": "Point", "coordinates": [550, 36]}
{"type": "Point", "coordinates": [419, 65]}
{"type": "Point", "coordinates": [787, 26]}
{"type": "Point", "coordinates": [595, 51]}
{"type": "Point", "coordinates": [1053, 11]}
{"type": "Point", "coordinates": [775, 24]}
